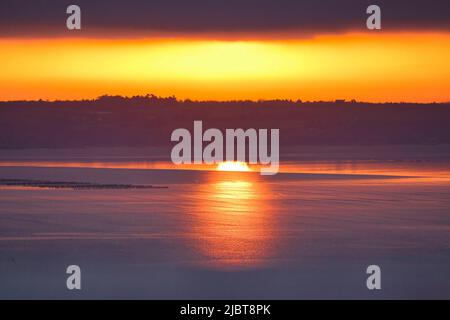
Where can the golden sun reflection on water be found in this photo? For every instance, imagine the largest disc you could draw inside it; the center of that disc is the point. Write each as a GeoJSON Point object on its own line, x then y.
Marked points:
{"type": "Point", "coordinates": [234, 223]}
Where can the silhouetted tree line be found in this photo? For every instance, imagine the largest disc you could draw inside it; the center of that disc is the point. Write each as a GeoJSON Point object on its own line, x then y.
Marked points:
{"type": "Point", "coordinates": [149, 120]}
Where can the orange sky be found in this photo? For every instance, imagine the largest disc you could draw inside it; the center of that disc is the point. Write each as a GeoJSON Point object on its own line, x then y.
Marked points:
{"type": "Point", "coordinates": [374, 67]}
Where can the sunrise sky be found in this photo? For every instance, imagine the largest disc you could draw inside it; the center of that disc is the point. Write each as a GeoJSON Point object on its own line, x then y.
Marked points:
{"type": "Point", "coordinates": [219, 59]}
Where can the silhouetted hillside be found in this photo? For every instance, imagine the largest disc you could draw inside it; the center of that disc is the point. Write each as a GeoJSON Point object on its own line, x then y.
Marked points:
{"type": "Point", "coordinates": [149, 120]}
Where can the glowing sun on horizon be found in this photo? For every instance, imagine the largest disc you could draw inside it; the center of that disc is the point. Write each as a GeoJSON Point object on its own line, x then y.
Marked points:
{"type": "Point", "coordinates": [233, 166]}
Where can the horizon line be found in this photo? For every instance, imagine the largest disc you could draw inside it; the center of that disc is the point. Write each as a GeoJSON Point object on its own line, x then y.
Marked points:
{"type": "Point", "coordinates": [173, 98]}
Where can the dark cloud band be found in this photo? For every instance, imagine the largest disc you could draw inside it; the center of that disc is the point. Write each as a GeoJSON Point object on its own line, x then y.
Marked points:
{"type": "Point", "coordinates": [47, 17]}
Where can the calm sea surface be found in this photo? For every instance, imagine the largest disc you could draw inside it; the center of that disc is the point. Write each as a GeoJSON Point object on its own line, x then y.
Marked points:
{"type": "Point", "coordinates": [308, 232]}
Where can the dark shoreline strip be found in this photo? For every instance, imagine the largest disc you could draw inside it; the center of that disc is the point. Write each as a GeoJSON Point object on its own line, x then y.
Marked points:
{"type": "Point", "coordinates": [73, 185]}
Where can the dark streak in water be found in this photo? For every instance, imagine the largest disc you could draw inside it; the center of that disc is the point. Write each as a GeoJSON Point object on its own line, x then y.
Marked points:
{"type": "Point", "coordinates": [72, 185]}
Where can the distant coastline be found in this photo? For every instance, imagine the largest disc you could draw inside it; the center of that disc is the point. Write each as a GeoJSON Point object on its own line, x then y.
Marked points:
{"type": "Point", "coordinates": [154, 100]}
{"type": "Point", "coordinates": [147, 121]}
